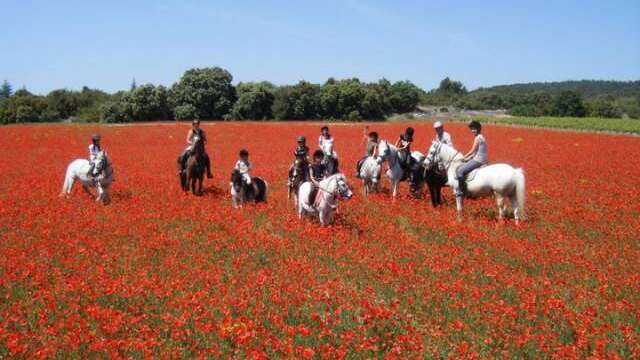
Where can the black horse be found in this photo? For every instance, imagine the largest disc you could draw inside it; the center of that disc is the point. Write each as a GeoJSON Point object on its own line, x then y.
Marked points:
{"type": "Point", "coordinates": [242, 192]}
{"type": "Point", "coordinates": [435, 179]}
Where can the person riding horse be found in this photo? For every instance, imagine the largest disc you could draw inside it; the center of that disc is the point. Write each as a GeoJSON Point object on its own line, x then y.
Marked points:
{"type": "Point", "coordinates": [94, 150]}
{"type": "Point", "coordinates": [475, 158]}
{"type": "Point", "coordinates": [317, 172]}
{"type": "Point", "coordinates": [325, 143]}
{"type": "Point", "coordinates": [194, 132]}
{"type": "Point", "coordinates": [372, 150]}
{"type": "Point", "coordinates": [441, 135]}
{"type": "Point", "coordinates": [403, 144]}
{"type": "Point", "coordinates": [301, 157]}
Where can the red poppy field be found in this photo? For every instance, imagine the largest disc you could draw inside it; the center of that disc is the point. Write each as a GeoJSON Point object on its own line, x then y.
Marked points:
{"type": "Point", "coordinates": [160, 273]}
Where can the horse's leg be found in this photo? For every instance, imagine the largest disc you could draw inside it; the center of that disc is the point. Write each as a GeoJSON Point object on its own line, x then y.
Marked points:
{"type": "Point", "coordinates": [516, 208]}
{"type": "Point", "coordinates": [500, 203]}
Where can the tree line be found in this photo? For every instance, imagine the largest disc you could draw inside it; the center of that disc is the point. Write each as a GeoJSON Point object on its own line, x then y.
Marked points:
{"type": "Point", "coordinates": [604, 99]}
{"type": "Point", "coordinates": [208, 93]}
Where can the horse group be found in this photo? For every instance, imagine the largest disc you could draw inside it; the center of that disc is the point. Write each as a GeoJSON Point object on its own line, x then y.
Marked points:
{"type": "Point", "coordinates": [437, 169]}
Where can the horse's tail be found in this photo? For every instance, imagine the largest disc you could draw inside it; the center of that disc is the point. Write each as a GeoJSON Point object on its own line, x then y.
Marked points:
{"type": "Point", "coordinates": [520, 192]}
{"type": "Point", "coordinates": [67, 185]}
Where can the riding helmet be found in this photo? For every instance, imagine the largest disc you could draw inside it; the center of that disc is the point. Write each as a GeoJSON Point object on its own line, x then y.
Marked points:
{"type": "Point", "coordinates": [475, 125]}
{"type": "Point", "coordinates": [244, 152]}
{"type": "Point", "coordinates": [95, 137]}
{"type": "Point", "coordinates": [324, 128]}
{"type": "Point", "coordinates": [437, 124]}
{"type": "Point", "coordinates": [302, 139]}
{"type": "Point", "coordinates": [374, 135]}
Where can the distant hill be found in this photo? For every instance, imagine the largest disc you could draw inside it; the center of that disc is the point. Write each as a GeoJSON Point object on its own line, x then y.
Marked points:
{"type": "Point", "coordinates": [588, 89]}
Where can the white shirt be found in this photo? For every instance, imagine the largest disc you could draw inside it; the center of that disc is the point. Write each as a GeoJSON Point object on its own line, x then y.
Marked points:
{"type": "Point", "coordinates": [482, 152]}
{"type": "Point", "coordinates": [326, 144]}
{"type": "Point", "coordinates": [93, 152]}
{"type": "Point", "coordinates": [446, 138]}
{"type": "Point", "coordinates": [243, 167]}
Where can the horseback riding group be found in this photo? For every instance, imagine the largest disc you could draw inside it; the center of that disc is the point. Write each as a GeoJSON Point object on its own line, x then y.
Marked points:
{"type": "Point", "coordinates": [314, 182]}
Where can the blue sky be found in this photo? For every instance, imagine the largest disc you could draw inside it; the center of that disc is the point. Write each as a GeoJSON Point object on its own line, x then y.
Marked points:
{"type": "Point", "coordinates": [46, 45]}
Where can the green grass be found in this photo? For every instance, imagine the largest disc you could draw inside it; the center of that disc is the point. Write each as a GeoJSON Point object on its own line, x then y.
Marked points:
{"type": "Point", "coordinates": [588, 124]}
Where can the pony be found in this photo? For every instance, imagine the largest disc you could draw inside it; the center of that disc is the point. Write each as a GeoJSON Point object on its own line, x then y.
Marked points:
{"type": "Point", "coordinates": [296, 178]}
{"type": "Point", "coordinates": [395, 173]}
{"type": "Point", "coordinates": [324, 202]}
{"type": "Point", "coordinates": [79, 168]}
{"type": "Point", "coordinates": [194, 172]}
{"type": "Point", "coordinates": [242, 192]}
{"type": "Point", "coordinates": [501, 180]}
{"type": "Point", "coordinates": [370, 174]}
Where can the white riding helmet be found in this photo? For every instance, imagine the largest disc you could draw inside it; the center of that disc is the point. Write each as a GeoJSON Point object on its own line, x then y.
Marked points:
{"type": "Point", "coordinates": [437, 124]}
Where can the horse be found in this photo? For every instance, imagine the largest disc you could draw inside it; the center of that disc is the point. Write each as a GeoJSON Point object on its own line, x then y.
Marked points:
{"type": "Point", "coordinates": [194, 172]}
{"type": "Point", "coordinates": [242, 192]}
{"type": "Point", "coordinates": [433, 176]}
{"type": "Point", "coordinates": [324, 202]}
{"type": "Point", "coordinates": [296, 177]}
{"type": "Point", "coordinates": [395, 173]}
{"type": "Point", "coordinates": [79, 168]}
{"type": "Point", "coordinates": [370, 174]}
{"type": "Point", "coordinates": [502, 180]}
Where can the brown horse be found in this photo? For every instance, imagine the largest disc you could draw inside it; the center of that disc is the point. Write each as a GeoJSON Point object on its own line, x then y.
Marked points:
{"type": "Point", "coordinates": [194, 174]}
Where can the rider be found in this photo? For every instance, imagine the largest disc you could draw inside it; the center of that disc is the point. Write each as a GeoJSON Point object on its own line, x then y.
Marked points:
{"type": "Point", "coordinates": [325, 142]}
{"type": "Point", "coordinates": [475, 158]}
{"type": "Point", "coordinates": [317, 171]}
{"type": "Point", "coordinates": [441, 135]}
{"type": "Point", "coordinates": [403, 144]}
{"type": "Point", "coordinates": [94, 150]}
{"type": "Point", "coordinates": [193, 132]}
{"type": "Point", "coordinates": [301, 153]}
{"type": "Point", "coordinates": [372, 150]}
{"type": "Point", "coordinates": [244, 166]}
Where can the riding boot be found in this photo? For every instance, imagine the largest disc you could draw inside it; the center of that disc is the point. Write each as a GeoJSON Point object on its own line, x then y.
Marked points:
{"type": "Point", "coordinates": [207, 163]}
{"type": "Point", "coordinates": [462, 187]}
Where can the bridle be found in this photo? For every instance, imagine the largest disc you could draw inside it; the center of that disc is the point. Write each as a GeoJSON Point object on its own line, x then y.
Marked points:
{"type": "Point", "coordinates": [436, 152]}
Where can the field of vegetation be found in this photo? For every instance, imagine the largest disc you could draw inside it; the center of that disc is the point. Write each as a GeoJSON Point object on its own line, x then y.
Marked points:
{"type": "Point", "coordinates": [161, 274]}
{"type": "Point", "coordinates": [571, 123]}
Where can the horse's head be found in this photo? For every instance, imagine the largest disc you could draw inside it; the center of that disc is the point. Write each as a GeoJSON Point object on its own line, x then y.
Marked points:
{"type": "Point", "coordinates": [433, 154]}
{"type": "Point", "coordinates": [236, 179]}
{"type": "Point", "coordinates": [344, 191]}
{"type": "Point", "coordinates": [101, 161]}
{"type": "Point", "coordinates": [384, 149]}
{"type": "Point", "coordinates": [198, 145]}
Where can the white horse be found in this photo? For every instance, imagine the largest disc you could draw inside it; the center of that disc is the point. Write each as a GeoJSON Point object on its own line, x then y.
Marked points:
{"type": "Point", "coordinates": [330, 190]}
{"type": "Point", "coordinates": [389, 153]}
{"type": "Point", "coordinates": [370, 174]}
{"type": "Point", "coordinates": [501, 180]}
{"type": "Point", "coordinates": [79, 168]}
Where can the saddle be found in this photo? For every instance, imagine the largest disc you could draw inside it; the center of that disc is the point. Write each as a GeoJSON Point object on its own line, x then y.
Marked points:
{"type": "Point", "coordinates": [470, 176]}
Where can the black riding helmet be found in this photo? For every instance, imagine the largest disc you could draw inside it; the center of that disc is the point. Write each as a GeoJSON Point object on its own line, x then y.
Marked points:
{"type": "Point", "coordinates": [318, 154]}
{"type": "Point", "coordinates": [324, 128]}
{"type": "Point", "coordinates": [475, 125]}
{"type": "Point", "coordinates": [408, 134]}
{"type": "Point", "coordinates": [302, 139]}
{"type": "Point", "coordinates": [95, 137]}
{"type": "Point", "coordinates": [244, 152]}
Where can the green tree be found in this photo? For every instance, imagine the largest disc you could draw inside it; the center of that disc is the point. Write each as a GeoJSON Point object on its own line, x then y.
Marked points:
{"type": "Point", "coordinates": [186, 112]}
{"type": "Point", "coordinates": [62, 103]}
{"type": "Point", "coordinates": [255, 101]}
{"type": "Point", "coordinates": [297, 102]}
{"type": "Point", "coordinates": [342, 99]}
{"type": "Point", "coordinates": [208, 90]}
{"type": "Point", "coordinates": [5, 90]}
{"type": "Point", "coordinates": [404, 96]}
{"type": "Point", "coordinates": [568, 103]}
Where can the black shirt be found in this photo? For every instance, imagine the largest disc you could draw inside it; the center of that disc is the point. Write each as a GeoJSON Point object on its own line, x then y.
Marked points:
{"type": "Point", "coordinates": [301, 152]}
{"type": "Point", "coordinates": [318, 171]}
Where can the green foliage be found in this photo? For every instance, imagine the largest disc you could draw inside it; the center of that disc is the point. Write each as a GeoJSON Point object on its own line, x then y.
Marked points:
{"type": "Point", "coordinates": [254, 101]}
{"type": "Point", "coordinates": [5, 90]}
{"type": "Point", "coordinates": [447, 93]}
{"type": "Point", "coordinates": [113, 112]}
{"type": "Point", "coordinates": [186, 112]}
{"type": "Point", "coordinates": [603, 109]}
{"type": "Point", "coordinates": [405, 96]}
{"type": "Point", "coordinates": [297, 102]}
{"type": "Point", "coordinates": [568, 103]}
{"type": "Point", "coordinates": [209, 90]}
{"type": "Point", "coordinates": [574, 123]}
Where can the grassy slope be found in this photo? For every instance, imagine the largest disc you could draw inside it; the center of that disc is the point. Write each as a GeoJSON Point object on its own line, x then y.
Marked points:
{"type": "Point", "coordinates": [596, 124]}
